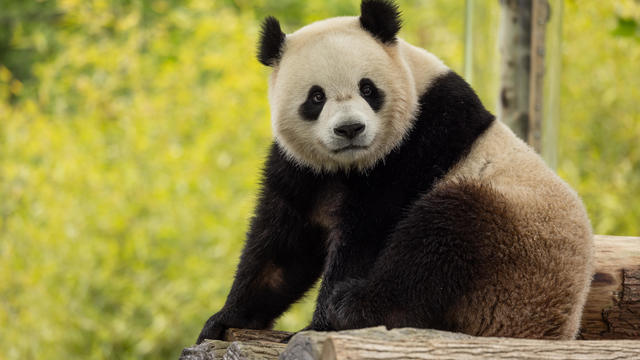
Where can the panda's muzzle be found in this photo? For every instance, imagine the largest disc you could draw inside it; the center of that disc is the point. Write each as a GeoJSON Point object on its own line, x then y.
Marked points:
{"type": "Point", "coordinates": [349, 131]}
{"type": "Point", "coordinates": [349, 147]}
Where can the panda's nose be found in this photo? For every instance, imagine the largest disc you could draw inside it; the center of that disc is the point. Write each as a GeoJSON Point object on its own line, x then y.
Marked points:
{"type": "Point", "coordinates": [349, 131]}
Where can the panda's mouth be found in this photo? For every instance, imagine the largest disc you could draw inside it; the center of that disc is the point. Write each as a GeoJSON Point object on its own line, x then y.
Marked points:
{"type": "Point", "coordinates": [349, 148]}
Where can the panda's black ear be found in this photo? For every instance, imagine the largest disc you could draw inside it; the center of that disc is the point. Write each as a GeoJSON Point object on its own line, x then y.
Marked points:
{"type": "Point", "coordinates": [271, 42]}
{"type": "Point", "coordinates": [381, 18]}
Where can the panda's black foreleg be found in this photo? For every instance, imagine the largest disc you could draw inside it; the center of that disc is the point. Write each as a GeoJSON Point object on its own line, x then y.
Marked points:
{"type": "Point", "coordinates": [282, 258]}
{"type": "Point", "coordinates": [427, 264]}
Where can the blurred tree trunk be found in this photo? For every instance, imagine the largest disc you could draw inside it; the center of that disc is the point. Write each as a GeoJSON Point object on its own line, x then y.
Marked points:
{"type": "Point", "coordinates": [522, 46]}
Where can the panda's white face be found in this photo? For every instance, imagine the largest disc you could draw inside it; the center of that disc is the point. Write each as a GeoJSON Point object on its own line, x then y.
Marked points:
{"type": "Point", "coordinates": [339, 98]}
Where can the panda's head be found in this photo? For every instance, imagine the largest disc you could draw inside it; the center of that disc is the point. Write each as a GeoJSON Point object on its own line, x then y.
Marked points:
{"type": "Point", "coordinates": [342, 95]}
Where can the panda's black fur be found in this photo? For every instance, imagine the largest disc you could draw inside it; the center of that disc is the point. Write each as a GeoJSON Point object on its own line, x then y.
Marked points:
{"type": "Point", "coordinates": [270, 47]}
{"type": "Point", "coordinates": [381, 19]}
{"type": "Point", "coordinates": [405, 251]}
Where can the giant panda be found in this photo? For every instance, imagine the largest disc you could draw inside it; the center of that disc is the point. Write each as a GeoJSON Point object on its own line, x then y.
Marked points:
{"type": "Point", "coordinates": [389, 179]}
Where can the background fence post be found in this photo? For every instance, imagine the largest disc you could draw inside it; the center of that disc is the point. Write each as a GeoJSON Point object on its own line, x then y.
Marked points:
{"type": "Point", "coordinates": [522, 48]}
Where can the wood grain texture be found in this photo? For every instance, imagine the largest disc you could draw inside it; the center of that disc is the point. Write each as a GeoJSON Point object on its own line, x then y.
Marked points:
{"type": "Point", "coordinates": [257, 335]}
{"type": "Point", "coordinates": [343, 347]}
{"type": "Point", "coordinates": [254, 350]}
{"type": "Point", "coordinates": [309, 344]}
{"type": "Point", "coordinates": [208, 350]}
{"type": "Point", "coordinates": [240, 344]}
{"type": "Point", "coordinates": [612, 310]}
{"type": "Point", "coordinates": [410, 343]}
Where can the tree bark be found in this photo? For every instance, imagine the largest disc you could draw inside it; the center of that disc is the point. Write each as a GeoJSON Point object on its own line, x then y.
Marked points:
{"type": "Point", "coordinates": [539, 18]}
{"type": "Point", "coordinates": [515, 49]}
{"type": "Point", "coordinates": [208, 350]}
{"type": "Point", "coordinates": [522, 49]}
{"type": "Point", "coordinates": [257, 335]}
{"type": "Point", "coordinates": [254, 350]}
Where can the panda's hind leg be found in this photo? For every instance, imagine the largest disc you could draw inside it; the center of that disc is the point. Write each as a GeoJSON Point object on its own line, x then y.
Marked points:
{"type": "Point", "coordinates": [431, 259]}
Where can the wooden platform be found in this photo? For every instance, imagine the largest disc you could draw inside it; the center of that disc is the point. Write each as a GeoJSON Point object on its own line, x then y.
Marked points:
{"type": "Point", "coordinates": [407, 343]}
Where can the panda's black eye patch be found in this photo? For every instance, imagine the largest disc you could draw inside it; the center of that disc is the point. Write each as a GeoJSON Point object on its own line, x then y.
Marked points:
{"type": "Point", "coordinates": [312, 107]}
{"type": "Point", "coordinates": [370, 92]}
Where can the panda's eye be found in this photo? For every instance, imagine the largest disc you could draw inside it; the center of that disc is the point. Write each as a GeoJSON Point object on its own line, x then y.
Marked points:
{"type": "Point", "coordinates": [366, 90]}
{"type": "Point", "coordinates": [371, 93]}
{"type": "Point", "coordinates": [317, 97]}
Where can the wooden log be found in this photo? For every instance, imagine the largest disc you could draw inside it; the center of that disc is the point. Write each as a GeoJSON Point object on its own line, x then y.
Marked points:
{"type": "Point", "coordinates": [254, 350]}
{"type": "Point", "coordinates": [612, 310]}
{"type": "Point", "coordinates": [410, 343]}
{"type": "Point", "coordinates": [257, 335]}
{"type": "Point", "coordinates": [304, 345]}
{"type": "Point", "coordinates": [240, 344]}
{"type": "Point", "coordinates": [343, 347]}
{"type": "Point", "coordinates": [207, 350]}
{"type": "Point", "coordinates": [309, 344]}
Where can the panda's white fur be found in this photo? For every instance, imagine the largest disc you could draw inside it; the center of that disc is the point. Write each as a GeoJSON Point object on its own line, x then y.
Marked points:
{"type": "Point", "coordinates": [335, 54]}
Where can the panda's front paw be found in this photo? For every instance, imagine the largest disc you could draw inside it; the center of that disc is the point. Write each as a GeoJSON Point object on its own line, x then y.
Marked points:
{"type": "Point", "coordinates": [213, 329]}
{"type": "Point", "coordinates": [352, 306]}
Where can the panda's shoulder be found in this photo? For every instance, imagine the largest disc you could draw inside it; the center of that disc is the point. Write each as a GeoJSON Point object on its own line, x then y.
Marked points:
{"type": "Point", "coordinates": [286, 178]}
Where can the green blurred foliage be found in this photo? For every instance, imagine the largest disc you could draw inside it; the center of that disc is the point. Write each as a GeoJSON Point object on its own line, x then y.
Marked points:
{"type": "Point", "coordinates": [599, 126]}
{"type": "Point", "coordinates": [132, 133]}
{"type": "Point", "coordinates": [627, 27]}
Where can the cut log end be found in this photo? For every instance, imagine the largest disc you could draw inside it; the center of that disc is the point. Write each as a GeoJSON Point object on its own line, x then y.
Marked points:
{"type": "Point", "coordinates": [612, 310]}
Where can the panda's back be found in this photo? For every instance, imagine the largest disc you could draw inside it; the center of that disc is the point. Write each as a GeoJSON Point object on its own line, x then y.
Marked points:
{"type": "Point", "coordinates": [537, 264]}
{"type": "Point", "coordinates": [500, 160]}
